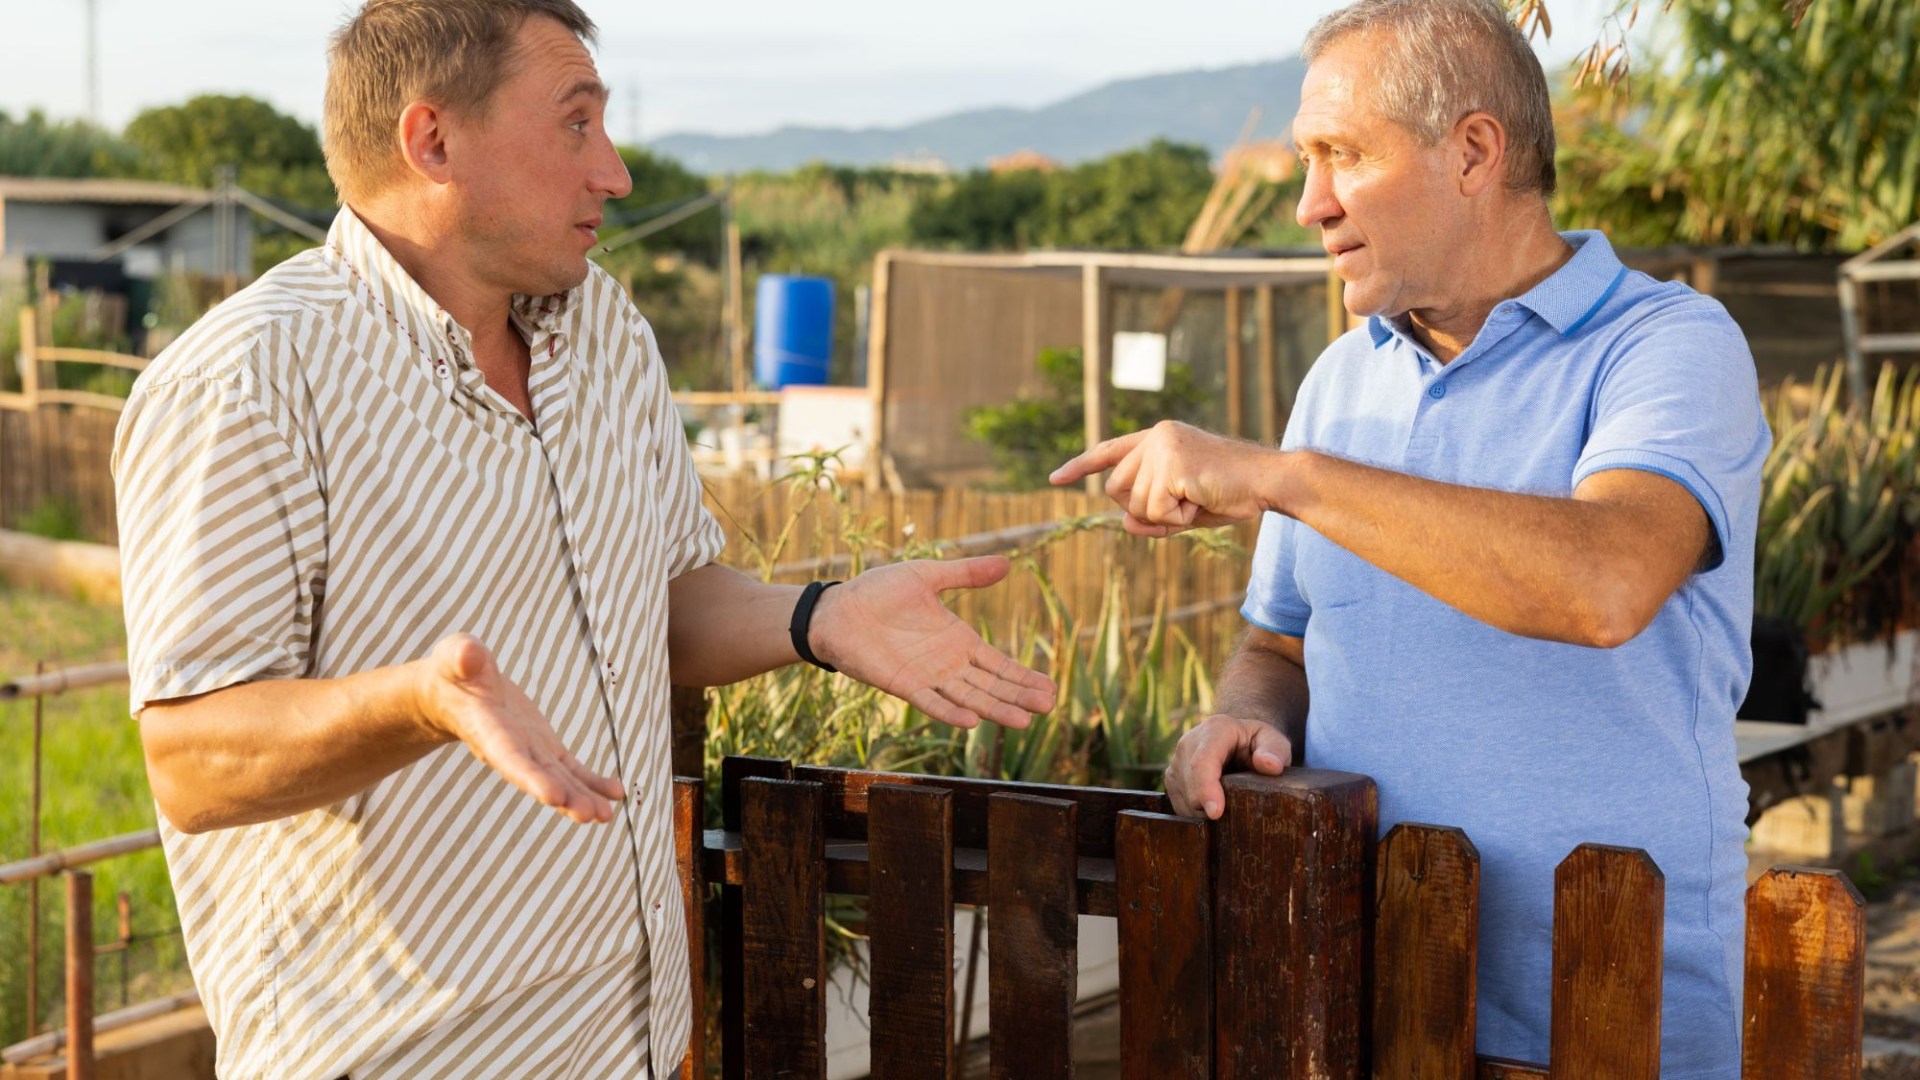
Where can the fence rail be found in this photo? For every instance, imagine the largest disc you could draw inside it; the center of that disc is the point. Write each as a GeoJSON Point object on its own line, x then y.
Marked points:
{"type": "Point", "coordinates": [1281, 941]}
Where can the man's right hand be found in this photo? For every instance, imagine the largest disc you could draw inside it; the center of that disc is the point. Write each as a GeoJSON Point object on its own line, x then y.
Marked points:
{"type": "Point", "coordinates": [462, 695]}
{"type": "Point", "coordinates": [1193, 777]}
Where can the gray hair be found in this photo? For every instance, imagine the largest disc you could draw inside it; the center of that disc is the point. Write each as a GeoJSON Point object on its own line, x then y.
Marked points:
{"type": "Point", "coordinates": [1444, 59]}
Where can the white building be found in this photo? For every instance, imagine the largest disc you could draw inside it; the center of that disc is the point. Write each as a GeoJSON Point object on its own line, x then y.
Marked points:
{"type": "Point", "coordinates": [71, 221]}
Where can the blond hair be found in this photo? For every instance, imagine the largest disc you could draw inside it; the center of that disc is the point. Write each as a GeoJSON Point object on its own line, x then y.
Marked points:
{"type": "Point", "coordinates": [1441, 60]}
{"type": "Point", "coordinates": [453, 53]}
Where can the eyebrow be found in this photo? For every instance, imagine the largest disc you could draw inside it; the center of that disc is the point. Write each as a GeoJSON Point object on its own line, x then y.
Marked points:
{"type": "Point", "coordinates": [590, 87]}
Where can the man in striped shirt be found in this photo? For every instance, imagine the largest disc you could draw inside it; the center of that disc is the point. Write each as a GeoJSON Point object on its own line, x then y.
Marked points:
{"type": "Point", "coordinates": [425, 486]}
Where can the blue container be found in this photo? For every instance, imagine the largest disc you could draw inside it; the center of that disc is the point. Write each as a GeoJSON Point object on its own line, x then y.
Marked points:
{"type": "Point", "coordinates": [792, 330]}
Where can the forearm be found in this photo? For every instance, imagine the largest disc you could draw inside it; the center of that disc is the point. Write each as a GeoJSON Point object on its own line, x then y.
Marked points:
{"type": "Point", "coordinates": [1561, 569]}
{"type": "Point", "coordinates": [265, 750]}
{"type": "Point", "coordinates": [1259, 682]}
{"type": "Point", "coordinates": [723, 626]}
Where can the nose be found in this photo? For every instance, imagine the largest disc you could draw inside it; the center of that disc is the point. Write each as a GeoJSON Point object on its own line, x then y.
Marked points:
{"type": "Point", "coordinates": [1317, 203]}
{"type": "Point", "coordinates": [610, 176]}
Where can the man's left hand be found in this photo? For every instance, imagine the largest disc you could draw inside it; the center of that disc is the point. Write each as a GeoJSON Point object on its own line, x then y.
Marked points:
{"type": "Point", "coordinates": [888, 629]}
{"type": "Point", "coordinates": [1172, 477]}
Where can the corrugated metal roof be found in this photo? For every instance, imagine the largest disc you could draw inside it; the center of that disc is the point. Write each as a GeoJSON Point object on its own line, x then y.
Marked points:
{"type": "Point", "coordinates": [45, 189]}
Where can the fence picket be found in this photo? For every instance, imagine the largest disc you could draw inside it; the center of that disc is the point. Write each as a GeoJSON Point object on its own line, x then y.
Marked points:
{"type": "Point", "coordinates": [783, 938]}
{"type": "Point", "coordinates": [689, 809]}
{"type": "Point", "coordinates": [733, 1042]}
{"type": "Point", "coordinates": [1034, 934]}
{"type": "Point", "coordinates": [1609, 909]}
{"type": "Point", "coordinates": [1166, 947]}
{"type": "Point", "coordinates": [910, 923]}
{"type": "Point", "coordinates": [1806, 977]}
{"type": "Point", "coordinates": [1293, 893]}
{"type": "Point", "coordinates": [1426, 954]}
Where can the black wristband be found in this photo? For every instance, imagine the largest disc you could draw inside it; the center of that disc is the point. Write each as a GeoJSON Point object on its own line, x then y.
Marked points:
{"type": "Point", "coordinates": [802, 617]}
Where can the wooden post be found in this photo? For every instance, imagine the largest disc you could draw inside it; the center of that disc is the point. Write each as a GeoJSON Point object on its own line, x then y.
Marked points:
{"type": "Point", "coordinates": [30, 355]}
{"type": "Point", "coordinates": [1293, 898]}
{"type": "Point", "coordinates": [1336, 305]}
{"type": "Point", "coordinates": [1269, 371]}
{"type": "Point", "coordinates": [1806, 977]}
{"type": "Point", "coordinates": [1166, 947]}
{"type": "Point", "coordinates": [689, 803]}
{"type": "Point", "coordinates": [735, 771]}
{"type": "Point", "coordinates": [1609, 910]}
{"type": "Point", "coordinates": [910, 920]}
{"type": "Point", "coordinates": [79, 975]}
{"type": "Point", "coordinates": [1236, 360]}
{"type": "Point", "coordinates": [877, 367]}
{"type": "Point", "coordinates": [1031, 983]}
{"type": "Point", "coordinates": [687, 719]}
{"type": "Point", "coordinates": [1096, 314]}
{"type": "Point", "coordinates": [783, 940]}
{"type": "Point", "coordinates": [1426, 954]}
{"type": "Point", "coordinates": [735, 301]}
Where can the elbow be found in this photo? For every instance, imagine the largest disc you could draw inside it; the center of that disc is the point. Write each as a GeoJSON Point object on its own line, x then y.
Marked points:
{"type": "Point", "coordinates": [1615, 612]}
{"type": "Point", "coordinates": [178, 787]}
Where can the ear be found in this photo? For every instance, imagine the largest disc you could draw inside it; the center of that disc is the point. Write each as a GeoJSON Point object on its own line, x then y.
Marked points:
{"type": "Point", "coordinates": [1481, 143]}
{"type": "Point", "coordinates": [423, 138]}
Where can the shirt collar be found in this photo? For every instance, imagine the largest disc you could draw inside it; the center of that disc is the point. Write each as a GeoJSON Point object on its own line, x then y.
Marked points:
{"type": "Point", "coordinates": [415, 313]}
{"type": "Point", "coordinates": [1567, 300]}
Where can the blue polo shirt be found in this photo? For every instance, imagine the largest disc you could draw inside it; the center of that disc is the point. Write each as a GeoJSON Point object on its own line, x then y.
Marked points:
{"type": "Point", "coordinates": [1534, 747]}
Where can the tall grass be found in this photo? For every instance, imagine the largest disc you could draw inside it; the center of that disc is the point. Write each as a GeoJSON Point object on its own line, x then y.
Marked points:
{"type": "Point", "coordinates": [94, 786]}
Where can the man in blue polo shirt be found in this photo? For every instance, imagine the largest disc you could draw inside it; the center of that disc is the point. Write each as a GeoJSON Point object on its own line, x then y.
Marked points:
{"type": "Point", "coordinates": [1508, 537]}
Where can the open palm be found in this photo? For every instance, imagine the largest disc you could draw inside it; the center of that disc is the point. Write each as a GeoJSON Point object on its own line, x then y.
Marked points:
{"type": "Point", "coordinates": [888, 629]}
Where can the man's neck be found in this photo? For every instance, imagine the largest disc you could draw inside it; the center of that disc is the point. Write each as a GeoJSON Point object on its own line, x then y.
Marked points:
{"type": "Point", "coordinates": [1503, 264]}
{"type": "Point", "coordinates": [436, 261]}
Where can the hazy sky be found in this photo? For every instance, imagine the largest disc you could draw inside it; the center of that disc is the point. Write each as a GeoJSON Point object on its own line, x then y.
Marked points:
{"type": "Point", "coordinates": [717, 66]}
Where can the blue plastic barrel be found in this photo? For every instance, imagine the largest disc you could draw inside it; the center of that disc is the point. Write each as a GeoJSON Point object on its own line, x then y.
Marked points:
{"type": "Point", "coordinates": [792, 330]}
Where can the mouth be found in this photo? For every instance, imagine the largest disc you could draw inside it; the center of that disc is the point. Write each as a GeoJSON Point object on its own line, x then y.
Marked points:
{"type": "Point", "coordinates": [589, 228]}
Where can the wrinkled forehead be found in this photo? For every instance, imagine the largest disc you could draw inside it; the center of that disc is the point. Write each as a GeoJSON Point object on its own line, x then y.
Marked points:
{"type": "Point", "coordinates": [1335, 95]}
{"type": "Point", "coordinates": [551, 66]}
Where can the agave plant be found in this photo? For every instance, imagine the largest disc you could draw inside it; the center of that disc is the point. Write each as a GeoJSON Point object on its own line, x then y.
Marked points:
{"type": "Point", "coordinates": [1840, 507]}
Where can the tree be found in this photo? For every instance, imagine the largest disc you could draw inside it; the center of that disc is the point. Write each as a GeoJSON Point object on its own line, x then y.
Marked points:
{"type": "Point", "coordinates": [1768, 122]}
{"type": "Point", "coordinates": [274, 155]}
{"type": "Point", "coordinates": [35, 146]}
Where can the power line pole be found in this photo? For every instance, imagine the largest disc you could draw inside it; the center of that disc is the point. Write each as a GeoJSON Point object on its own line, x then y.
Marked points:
{"type": "Point", "coordinates": [93, 62]}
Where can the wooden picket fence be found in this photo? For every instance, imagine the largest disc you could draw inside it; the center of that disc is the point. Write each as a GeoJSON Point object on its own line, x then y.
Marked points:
{"type": "Point", "coordinates": [1280, 942]}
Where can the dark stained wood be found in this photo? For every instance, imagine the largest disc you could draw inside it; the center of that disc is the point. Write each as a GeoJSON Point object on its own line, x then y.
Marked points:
{"type": "Point", "coordinates": [733, 771]}
{"type": "Point", "coordinates": [1806, 977]}
{"type": "Point", "coordinates": [910, 925]}
{"type": "Point", "coordinates": [847, 804]}
{"type": "Point", "coordinates": [689, 805]}
{"type": "Point", "coordinates": [80, 1060]}
{"type": "Point", "coordinates": [1293, 897]}
{"type": "Point", "coordinates": [1426, 954]}
{"type": "Point", "coordinates": [847, 872]}
{"type": "Point", "coordinates": [1166, 948]}
{"type": "Point", "coordinates": [1608, 913]}
{"type": "Point", "coordinates": [1493, 1068]}
{"type": "Point", "coordinates": [1033, 937]}
{"type": "Point", "coordinates": [783, 940]}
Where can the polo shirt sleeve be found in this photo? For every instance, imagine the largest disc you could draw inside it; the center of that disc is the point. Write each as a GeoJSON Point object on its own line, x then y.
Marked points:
{"type": "Point", "coordinates": [1681, 399]}
{"type": "Point", "coordinates": [694, 539]}
{"type": "Point", "coordinates": [1273, 599]}
{"type": "Point", "coordinates": [222, 538]}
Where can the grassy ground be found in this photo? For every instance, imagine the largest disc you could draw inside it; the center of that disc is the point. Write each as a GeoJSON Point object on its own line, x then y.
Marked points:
{"type": "Point", "coordinates": [94, 786]}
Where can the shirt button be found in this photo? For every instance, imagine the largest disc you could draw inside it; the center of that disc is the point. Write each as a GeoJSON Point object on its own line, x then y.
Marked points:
{"type": "Point", "coordinates": [612, 675]}
{"type": "Point", "coordinates": [440, 368]}
{"type": "Point", "coordinates": [1437, 391]}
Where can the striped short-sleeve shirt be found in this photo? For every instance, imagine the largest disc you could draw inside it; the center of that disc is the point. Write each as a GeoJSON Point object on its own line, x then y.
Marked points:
{"type": "Point", "coordinates": [316, 481]}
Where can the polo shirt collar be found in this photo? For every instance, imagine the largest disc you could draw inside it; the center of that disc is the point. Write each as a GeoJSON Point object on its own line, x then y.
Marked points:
{"type": "Point", "coordinates": [1571, 296]}
{"type": "Point", "coordinates": [1567, 300]}
{"type": "Point", "coordinates": [416, 314]}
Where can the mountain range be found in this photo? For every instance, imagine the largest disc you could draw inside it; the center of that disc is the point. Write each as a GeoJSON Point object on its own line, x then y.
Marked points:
{"type": "Point", "coordinates": [1207, 107]}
